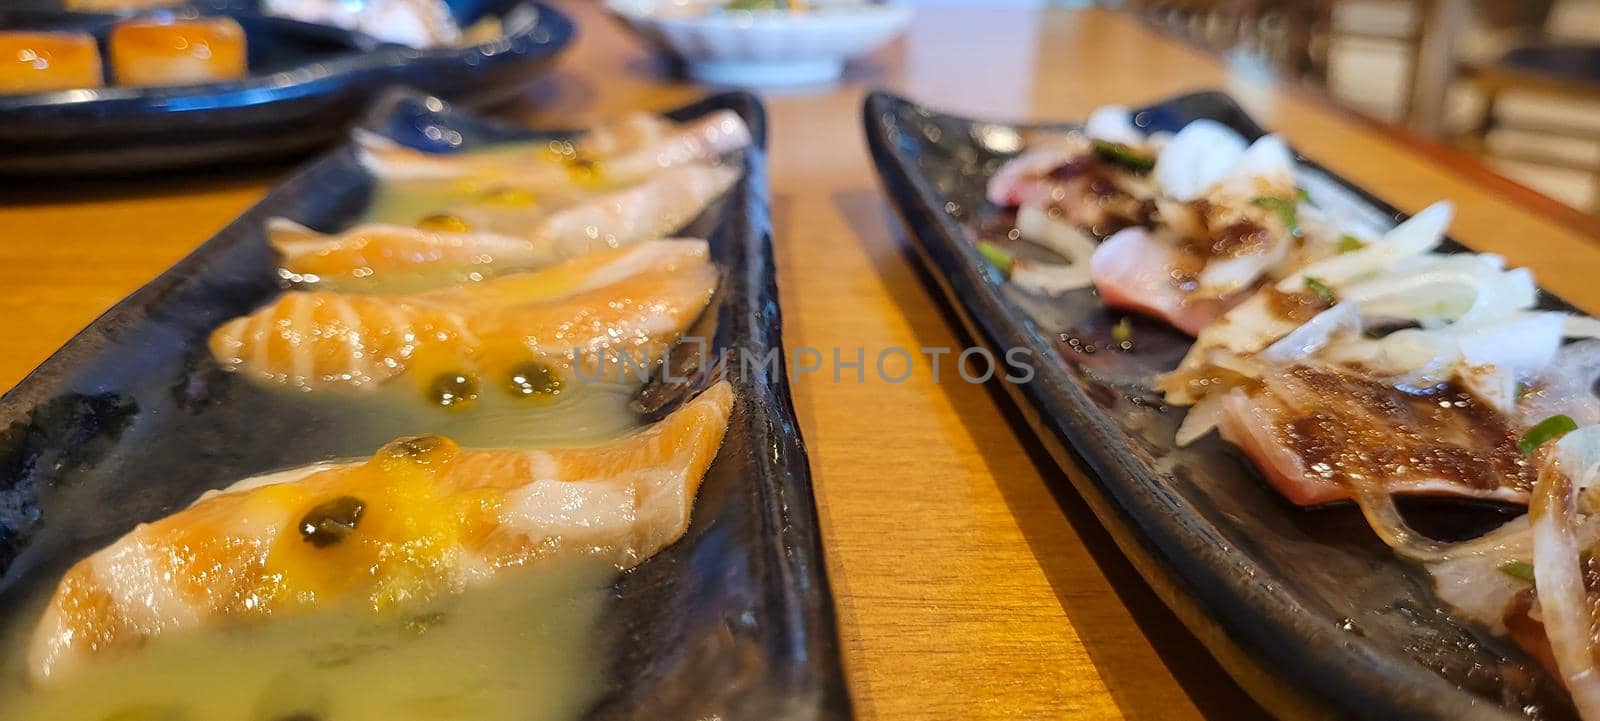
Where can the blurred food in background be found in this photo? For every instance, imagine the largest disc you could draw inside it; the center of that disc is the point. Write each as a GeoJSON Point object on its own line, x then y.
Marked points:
{"type": "Point", "coordinates": [763, 43]}
{"type": "Point", "coordinates": [144, 52]}
{"type": "Point", "coordinates": [182, 52]}
{"type": "Point", "coordinates": [418, 23]}
{"type": "Point", "coordinates": [37, 62]}
{"type": "Point", "coordinates": [1516, 82]}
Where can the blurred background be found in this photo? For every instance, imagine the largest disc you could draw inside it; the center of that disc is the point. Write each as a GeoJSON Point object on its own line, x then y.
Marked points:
{"type": "Point", "coordinates": [1516, 82]}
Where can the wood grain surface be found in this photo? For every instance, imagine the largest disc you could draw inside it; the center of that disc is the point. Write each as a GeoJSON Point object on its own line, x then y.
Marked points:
{"type": "Point", "coordinates": [970, 582]}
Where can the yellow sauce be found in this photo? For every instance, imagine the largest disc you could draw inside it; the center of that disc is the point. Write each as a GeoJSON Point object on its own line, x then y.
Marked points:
{"type": "Point", "coordinates": [521, 649]}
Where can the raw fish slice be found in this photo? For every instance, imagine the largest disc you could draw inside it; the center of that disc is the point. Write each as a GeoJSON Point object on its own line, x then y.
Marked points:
{"type": "Point", "coordinates": [1022, 178]}
{"type": "Point", "coordinates": [660, 206]}
{"type": "Point", "coordinates": [586, 272]}
{"type": "Point", "coordinates": [319, 339]}
{"type": "Point", "coordinates": [636, 299]}
{"type": "Point", "coordinates": [1136, 271]}
{"type": "Point", "coordinates": [622, 153]}
{"type": "Point", "coordinates": [1321, 435]}
{"type": "Point", "coordinates": [372, 253]}
{"type": "Point", "coordinates": [420, 519]}
{"type": "Point", "coordinates": [498, 240]}
{"type": "Point", "coordinates": [611, 333]}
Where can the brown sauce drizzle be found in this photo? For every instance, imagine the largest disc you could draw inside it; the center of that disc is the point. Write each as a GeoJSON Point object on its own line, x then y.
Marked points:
{"type": "Point", "coordinates": [1242, 238]}
{"type": "Point", "coordinates": [1089, 179]}
{"type": "Point", "coordinates": [1353, 430]}
{"type": "Point", "coordinates": [1297, 307]}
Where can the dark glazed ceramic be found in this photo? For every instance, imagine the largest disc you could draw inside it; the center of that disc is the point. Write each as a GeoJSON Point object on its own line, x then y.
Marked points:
{"type": "Point", "coordinates": [307, 84]}
{"type": "Point", "coordinates": [1305, 607]}
{"type": "Point", "coordinates": [132, 420]}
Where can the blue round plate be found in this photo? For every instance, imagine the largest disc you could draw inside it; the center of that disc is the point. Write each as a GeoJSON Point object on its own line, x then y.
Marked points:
{"type": "Point", "coordinates": [307, 83]}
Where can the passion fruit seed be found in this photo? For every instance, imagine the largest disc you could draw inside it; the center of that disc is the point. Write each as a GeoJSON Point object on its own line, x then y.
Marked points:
{"type": "Point", "coordinates": [331, 521]}
{"type": "Point", "coordinates": [417, 448]}
{"type": "Point", "coordinates": [584, 171]}
{"type": "Point", "coordinates": [425, 623]}
{"type": "Point", "coordinates": [443, 223]}
{"type": "Point", "coordinates": [531, 379]}
{"type": "Point", "coordinates": [453, 390]}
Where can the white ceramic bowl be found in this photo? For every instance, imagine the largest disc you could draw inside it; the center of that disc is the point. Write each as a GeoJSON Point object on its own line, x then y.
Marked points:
{"type": "Point", "coordinates": [763, 48]}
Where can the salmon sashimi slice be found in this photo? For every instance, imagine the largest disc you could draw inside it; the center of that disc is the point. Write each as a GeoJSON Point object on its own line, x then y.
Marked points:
{"type": "Point", "coordinates": [421, 518]}
{"type": "Point", "coordinates": [374, 252]}
{"type": "Point", "coordinates": [1320, 435]}
{"type": "Point", "coordinates": [1136, 271]}
{"type": "Point", "coordinates": [634, 300]}
{"type": "Point", "coordinates": [495, 239]}
{"type": "Point", "coordinates": [623, 152]}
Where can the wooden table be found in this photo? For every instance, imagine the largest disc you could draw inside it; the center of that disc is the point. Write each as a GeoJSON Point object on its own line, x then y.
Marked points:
{"type": "Point", "coordinates": [964, 589]}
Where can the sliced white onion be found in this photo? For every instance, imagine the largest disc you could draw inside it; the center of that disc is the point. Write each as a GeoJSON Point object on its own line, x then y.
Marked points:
{"type": "Point", "coordinates": [1266, 167]}
{"type": "Point", "coordinates": [1182, 219]}
{"type": "Point", "coordinates": [1491, 384]}
{"type": "Point", "coordinates": [1472, 583]}
{"type": "Point", "coordinates": [1558, 579]}
{"type": "Point", "coordinates": [1437, 288]}
{"type": "Point", "coordinates": [1196, 158]}
{"type": "Point", "coordinates": [1580, 326]}
{"type": "Point", "coordinates": [1201, 419]}
{"type": "Point", "coordinates": [1419, 234]}
{"type": "Point", "coordinates": [1051, 278]}
{"type": "Point", "coordinates": [1231, 275]}
{"type": "Point", "coordinates": [1113, 124]}
{"type": "Point", "coordinates": [1523, 343]}
{"type": "Point", "coordinates": [1315, 334]}
{"type": "Point", "coordinates": [1568, 386]}
{"type": "Point", "coordinates": [1065, 239]}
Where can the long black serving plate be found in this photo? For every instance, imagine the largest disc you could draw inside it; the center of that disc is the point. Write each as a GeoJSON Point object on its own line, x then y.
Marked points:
{"type": "Point", "coordinates": [132, 420]}
{"type": "Point", "coordinates": [1306, 608]}
{"type": "Point", "coordinates": [307, 84]}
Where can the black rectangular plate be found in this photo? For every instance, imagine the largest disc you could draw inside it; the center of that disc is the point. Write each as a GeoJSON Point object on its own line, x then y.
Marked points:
{"type": "Point", "coordinates": [132, 420]}
{"type": "Point", "coordinates": [1305, 607]}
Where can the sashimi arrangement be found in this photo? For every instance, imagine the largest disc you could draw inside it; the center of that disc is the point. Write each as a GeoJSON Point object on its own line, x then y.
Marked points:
{"type": "Point", "coordinates": [518, 272]}
{"type": "Point", "coordinates": [1345, 364]}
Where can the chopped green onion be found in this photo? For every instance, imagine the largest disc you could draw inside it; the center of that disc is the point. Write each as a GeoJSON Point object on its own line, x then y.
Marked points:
{"type": "Point", "coordinates": [1122, 332]}
{"type": "Point", "coordinates": [1321, 289]}
{"type": "Point", "coordinates": [1523, 570]}
{"type": "Point", "coordinates": [1122, 155]}
{"type": "Point", "coordinates": [1348, 243]}
{"type": "Point", "coordinates": [1520, 570]}
{"type": "Point", "coordinates": [1303, 195]}
{"type": "Point", "coordinates": [1284, 207]}
{"type": "Point", "coordinates": [1000, 257]}
{"type": "Point", "coordinates": [1523, 389]}
{"type": "Point", "coordinates": [1544, 431]}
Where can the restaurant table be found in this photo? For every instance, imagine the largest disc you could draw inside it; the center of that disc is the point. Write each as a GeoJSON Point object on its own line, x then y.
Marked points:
{"type": "Point", "coordinates": [970, 582]}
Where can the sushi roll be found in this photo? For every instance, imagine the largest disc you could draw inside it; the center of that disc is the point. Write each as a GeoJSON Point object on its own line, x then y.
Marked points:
{"type": "Point", "coordinates": [184, 52]}
{"type": "Point", "coordinates": [36, 62]}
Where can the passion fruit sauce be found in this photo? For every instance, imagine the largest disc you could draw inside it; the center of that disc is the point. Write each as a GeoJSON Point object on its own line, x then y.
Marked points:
{"type": "Point", "coordinates": [520, 649]}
